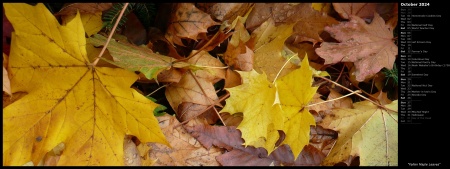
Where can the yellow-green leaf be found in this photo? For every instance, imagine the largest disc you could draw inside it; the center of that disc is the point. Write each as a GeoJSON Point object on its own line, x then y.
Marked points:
{"type": "Point", "coordinates": [90, 109]}
{"type": "Point", "coordinates": [366, 131]}
{"type": "Point", "coordinates": [135, 58]}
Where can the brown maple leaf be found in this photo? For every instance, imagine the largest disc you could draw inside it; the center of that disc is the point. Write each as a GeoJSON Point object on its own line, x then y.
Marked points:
{"type": "Point", "coordinates": [366, 10]}
{"type": "Point", "coordinates": [369, 46]}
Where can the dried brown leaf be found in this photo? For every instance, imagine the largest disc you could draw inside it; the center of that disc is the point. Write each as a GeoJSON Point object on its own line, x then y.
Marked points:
{"type": "Point", "coordinates": [381, 97]}
{"type": "Point", "coordinates": [196, 87]}
{"type": "Point", "coordinates": [366, 10]}
{"type": "Point", "coordinates": [319, 107]}
{"type": "Point", "coordinates": [232, 79]}
{"type": "Point", "coordinates": [185, 151]}
{"type": "Point", "coordinates": [231, 120]}
{"type": "Point", "coordinates": [210, 44]}
{"type": "Point", "coordinates": [213, 69]}
{"type": "Point", "coordinates": [269, 44]}
{"type": "Point", "coordinates": [188, 110]}
{"type": "Point", "coordinates": [7, 99]}
{"type": "Point", "coordinates": [187, 22]}
{"type": "Point", "coordinates": [345, 102]}
{"type": "Point", "coordinates": [302, 48]}
{"type": "Point", "coordinates": [227, 11]}
{"type": "Point", "coordinates": [363, 10]}
{"type": "Point", "coordinates": [309, 22]}
{"type": "Point", "coordinates": [229, 137]}
{"type": "Point", "coordinates": [134, 30]}
{"type": "Point", "coordinates": [188, 90]}
{"type": "Point", "coordinates": [369, 46]}
{"type": "Point", "coordinates": [238, 55]}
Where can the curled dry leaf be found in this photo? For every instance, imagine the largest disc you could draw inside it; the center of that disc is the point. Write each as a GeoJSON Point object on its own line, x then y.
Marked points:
{"type": "Point", "coordinates": [187, 21]}
{"type": "Point", "coordinates": [369, 46]}
{"type": "Point", "coordinates": [231, 120]}
{"type": "Point", "coordinates": [207, 44]}
{"type": "Point", "coordinates": [185, 151]}
{"type": "Point", "coordinates": [92, 8]}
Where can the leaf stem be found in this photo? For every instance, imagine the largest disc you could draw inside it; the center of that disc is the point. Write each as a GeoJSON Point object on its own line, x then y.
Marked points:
{"type": "Point", "coordinates": [158, 89]}
{"type": "Point", "coordinates": [357, 94]}
{"type": "Point", "coordinates": [357, 91]}
{"type": "Point", "coordinates": [110, 34]}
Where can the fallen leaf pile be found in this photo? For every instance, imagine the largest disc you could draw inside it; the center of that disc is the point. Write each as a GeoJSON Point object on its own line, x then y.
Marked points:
{"type": "Point", "coordinates": [200, 84]}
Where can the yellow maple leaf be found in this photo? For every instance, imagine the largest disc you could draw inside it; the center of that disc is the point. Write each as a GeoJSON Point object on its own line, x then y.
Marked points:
{"type": "Point", "coordinates": [90, 109]}
{"type": "Point", "coordinates": [365, 131]}
{"type": "Point", "coordinates": [269, 107]}
{"type": "Point", "coordinates": [295, 94]}
{"type": "Point", "coordinates": [255, 98]}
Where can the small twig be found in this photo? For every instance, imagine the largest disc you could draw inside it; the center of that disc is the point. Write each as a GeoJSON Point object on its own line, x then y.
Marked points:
{"type": "Point", "coordinates": [357, 91]}
{"type": "Point", "coordinates": [158, 89]}
{"type": "Point", "coordinates": [357, 94]}
{"type": "Point", "coordinates": [110, 34]}
{"type": "Point", "coordinates": [342, 70]}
